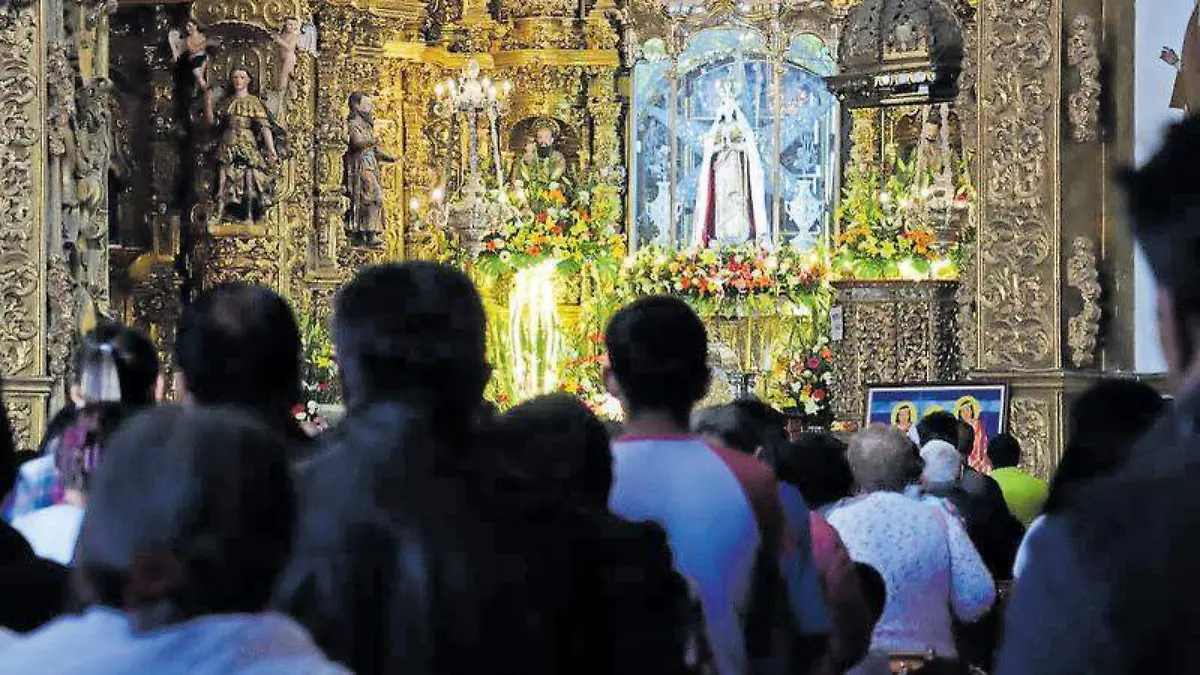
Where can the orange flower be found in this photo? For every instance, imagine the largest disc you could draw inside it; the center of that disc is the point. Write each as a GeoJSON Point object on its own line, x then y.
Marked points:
{"type": "Point", "coordinates": [534, 250]}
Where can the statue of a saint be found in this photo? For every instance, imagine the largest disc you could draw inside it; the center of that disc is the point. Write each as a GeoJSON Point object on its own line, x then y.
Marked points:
{"type": "Point", "coordinates": [364, 220]}
{"type": "Point", "coordinates": [247, 153]}
{"type": "Point", "coordinates": [542, 161]}
{"type": "Point", "coordinates": [730, 197]}
{"type": "Point", "coordinates": [931, 160]}
{"type": "Point", "coordinates": [1186, 94]}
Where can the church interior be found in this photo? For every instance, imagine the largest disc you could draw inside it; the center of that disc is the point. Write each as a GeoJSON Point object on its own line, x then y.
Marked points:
{"type": "Point", "coordinates": [878, 207]}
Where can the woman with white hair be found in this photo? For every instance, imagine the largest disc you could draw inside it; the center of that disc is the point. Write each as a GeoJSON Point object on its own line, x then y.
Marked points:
{"type": "Point", "coordinates": [928, 563]}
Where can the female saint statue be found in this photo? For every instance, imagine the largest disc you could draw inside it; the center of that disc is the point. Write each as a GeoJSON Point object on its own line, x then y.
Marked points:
{"type": "Point", "coordinates": [247, 153]}
{"type": "Point", "coordinates": [730, 198]}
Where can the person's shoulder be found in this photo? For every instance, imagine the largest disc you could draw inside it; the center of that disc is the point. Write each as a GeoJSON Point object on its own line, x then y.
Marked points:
{"type": "Point", "coordinates": [67, 644]}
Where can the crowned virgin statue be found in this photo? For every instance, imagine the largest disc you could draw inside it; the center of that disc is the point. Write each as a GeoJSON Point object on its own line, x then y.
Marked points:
{"type": "Point", "coordinates": [730, 202]}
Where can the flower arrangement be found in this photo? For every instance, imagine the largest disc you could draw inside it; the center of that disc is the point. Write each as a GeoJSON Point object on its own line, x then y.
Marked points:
{"type": "Point", "coordinates": [557, 222]}
{"type": "Point", "coordinates": [319, 371]}
{"type": "Point", "coordinates": [802, 384]}
{"type": "Point", "coordinates": [583, 377]}
{"type": "Point", "coordinates": [729, 281]}
{"type": "Point", "coordinates": [865, 253]}
{"type": "Point", "coordinates": [885, 222]}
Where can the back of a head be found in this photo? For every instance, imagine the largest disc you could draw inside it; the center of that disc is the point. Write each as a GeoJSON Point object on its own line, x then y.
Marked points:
{"type": "Point", "coordinates": [943, 463]}
{"type": "Point", "coordinates": [816, 464]}
{"type": "Point", "coordinates": [658, 352]}
{"type": "Point", "coordinates": [115, 364]}
{"type": "Point", "coordinates": [729, 426]}
{"type": "Point", "coordinates": [966, 439]}
{"type": "Point", "coordinates": [882, 459]}
{"type": "Point", "coordinates": [1164, 206]}
{"type": "Point", "coordinates": [208, 489]}
{"type": "Point", "coordinates": [557, 445]}
{"type": "Point", "coordinates": [413, 332]}
{"type": "Point", "coordinates": [939, 426]}
{"type": "Point", "coordinates": [1004, 451]}
{"type": "Point", "coordinates": [239, 344]}
{"type": "Point", "coordinates": [1105, 423]}
{"type": "Point", "coordinates": [772, 423]}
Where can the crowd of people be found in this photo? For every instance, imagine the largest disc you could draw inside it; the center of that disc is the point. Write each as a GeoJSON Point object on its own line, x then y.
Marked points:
{"type": "Point", "coordinates": [426, 533]}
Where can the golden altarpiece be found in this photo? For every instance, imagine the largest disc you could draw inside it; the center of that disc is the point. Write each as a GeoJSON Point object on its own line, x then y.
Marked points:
{"type": "Point", "coordinates": [124, 192]}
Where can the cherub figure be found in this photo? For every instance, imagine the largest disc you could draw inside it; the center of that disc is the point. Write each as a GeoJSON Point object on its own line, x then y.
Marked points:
{"type": "Point", "coordinates": [293, 38]}
{"type": "Point", "coordinates": [192, 49]}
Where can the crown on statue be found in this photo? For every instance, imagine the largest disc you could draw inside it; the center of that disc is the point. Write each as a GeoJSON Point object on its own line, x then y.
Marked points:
{"type": "Point", "coordinates": [548, 123]}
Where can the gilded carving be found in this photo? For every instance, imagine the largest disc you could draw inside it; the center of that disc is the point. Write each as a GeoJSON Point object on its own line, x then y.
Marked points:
{"type": "Point", "coordinates": [21, 418]}
{"type": "Point", "coordinates": [892, 332]}
{"type": "Point", "coordinates": [965, 108]}
{"type": "Point", "coordinates": [1083, 329]}
{"type": "Point", "coordinates": [1018, 241]}
{"type": "Point", "coordinates": [1083, 55]}
{"type": "Point", "coordinates": [263, 13]}
{"type": "Point", "coordinates": [1031, 424]}
{"type": "Point", "coordinates": [60, 296]}
{"type": "Point", "coordinates": [20, 182]}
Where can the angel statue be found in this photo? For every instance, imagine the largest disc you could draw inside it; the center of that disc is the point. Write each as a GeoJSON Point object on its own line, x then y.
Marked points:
{"type": "Point", "coordinates": [730, 197]}
{"type": "Point", "coordinates": [249, 147]}
{"type": "Point", "coordinates": [191, 49]}
{"type": "Point", "coordinates": [292, 39]}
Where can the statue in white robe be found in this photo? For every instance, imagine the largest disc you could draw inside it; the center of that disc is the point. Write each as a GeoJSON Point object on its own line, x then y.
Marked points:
{"type": "Point", "coordinates": [730, 198]}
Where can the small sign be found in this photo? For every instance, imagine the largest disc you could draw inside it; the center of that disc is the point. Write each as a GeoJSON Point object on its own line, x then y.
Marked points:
{"type": "Point", "coordinates": [837, 324]}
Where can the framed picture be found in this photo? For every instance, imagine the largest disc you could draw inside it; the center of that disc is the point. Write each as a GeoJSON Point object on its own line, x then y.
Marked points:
{"type": "Point", "coordinates": [983, 406]}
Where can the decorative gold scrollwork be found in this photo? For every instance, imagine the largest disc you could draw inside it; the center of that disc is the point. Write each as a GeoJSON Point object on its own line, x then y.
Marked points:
{"type": "Point", "coordinates": [21, 132]}
{"type": "Point", "coordinates": [1018, 251]}
{"type": "Point", "coordinates": [1031, 424]}
{"type": "Point", "coordinates": [1083, 54]}
{"type": "Point", "coordinates": [1083, 329]}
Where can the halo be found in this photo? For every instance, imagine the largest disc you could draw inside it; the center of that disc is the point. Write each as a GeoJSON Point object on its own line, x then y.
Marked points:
{"type": "Point", "coordinates": [965, 402]}
{"type": "Point", "coordinates": [548, 123]}
{"type": "Point", "coordinates": [904, 405]}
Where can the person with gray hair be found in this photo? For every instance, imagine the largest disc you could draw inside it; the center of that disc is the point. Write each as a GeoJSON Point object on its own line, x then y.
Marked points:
{"type": "Point", "coordinates": [943, 464]}
{"type": "Point", "coordinates": [930, 568]}
{"type": "Point", "coordinates": [883, 459]}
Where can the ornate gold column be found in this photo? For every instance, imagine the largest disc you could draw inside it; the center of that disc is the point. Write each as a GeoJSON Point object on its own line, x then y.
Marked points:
{"type": "Point", "coordinates": [23, 233]}
{"type": "Point", "coordinates": [1019, 325]}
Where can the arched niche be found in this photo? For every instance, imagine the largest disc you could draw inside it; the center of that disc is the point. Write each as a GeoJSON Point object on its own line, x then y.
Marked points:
{"type": "Point", "coordinates": [778, 76]}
